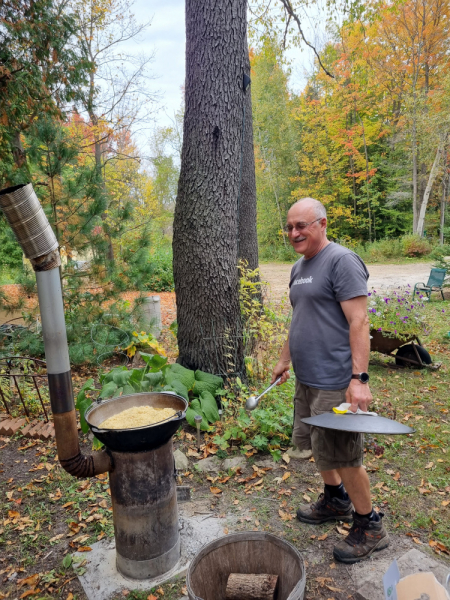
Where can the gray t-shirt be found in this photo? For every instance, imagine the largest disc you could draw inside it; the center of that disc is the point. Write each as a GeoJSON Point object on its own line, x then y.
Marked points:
{"type": "Point", "coordinates": [319, 334]}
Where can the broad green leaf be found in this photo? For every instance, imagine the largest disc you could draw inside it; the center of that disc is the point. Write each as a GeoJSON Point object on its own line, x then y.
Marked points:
{"type": "Point", "coordinates": [154, 378]}
{"type": "Point", "coordinates": [108, 390]}
{"type": "Point", "coordinates": [209, 407]}
{"type": "Point", "coordinates": [186, 376]}
{"type": "Point", "coordinates": [107, 377]}
{"type": "Point", "coordinates": [195, 405]}
{"type": "Point", "coordinates": [190, 418]}
{"type": "Point", "coordinates": [121, 378]}
{"type": "Point", "coordinates": [136, 379]}
{"type": "Point", "coordinates": [153, 361]}
{"type": "Point", "coordinates": [67, 561]}
{"type": "Point", "coordinates": [83, 407]}
{"type": "Point", "coordinates": [145, 386]}
{"type": "Point", "coordinates": [97, 444]}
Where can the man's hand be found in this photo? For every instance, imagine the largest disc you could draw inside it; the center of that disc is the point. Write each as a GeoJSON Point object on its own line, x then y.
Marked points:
{"type": "Point", "coordinates": [281, 368]}
{"type": "Point", "coordinates": [358, 395]}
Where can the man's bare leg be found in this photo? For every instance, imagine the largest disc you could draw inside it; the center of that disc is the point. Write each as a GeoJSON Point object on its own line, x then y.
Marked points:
{"type": "Point", "coordinates": [356, 483]}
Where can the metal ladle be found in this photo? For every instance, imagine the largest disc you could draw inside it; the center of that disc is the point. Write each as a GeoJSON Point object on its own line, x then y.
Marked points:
{"type": "Point", "coordinates": [253, 401]}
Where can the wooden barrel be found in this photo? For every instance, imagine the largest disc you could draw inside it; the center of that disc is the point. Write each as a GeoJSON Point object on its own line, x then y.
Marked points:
{"type": "Point", "coordinates": [249, 552]}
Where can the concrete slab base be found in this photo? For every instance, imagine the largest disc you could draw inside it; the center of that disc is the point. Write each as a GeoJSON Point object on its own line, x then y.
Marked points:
{"type": "Point", "coordinates": [368, 575]}
{"type": "Point", "coordinates": [101, 579]}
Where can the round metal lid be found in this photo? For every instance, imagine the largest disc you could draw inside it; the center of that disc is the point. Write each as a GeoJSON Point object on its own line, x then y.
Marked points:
{"type": "Point", "coordinates": [358, 424]}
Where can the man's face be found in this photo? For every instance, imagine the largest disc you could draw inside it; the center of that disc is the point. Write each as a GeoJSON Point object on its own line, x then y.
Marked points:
{"type": "Point", "coordinates": [305, 240]}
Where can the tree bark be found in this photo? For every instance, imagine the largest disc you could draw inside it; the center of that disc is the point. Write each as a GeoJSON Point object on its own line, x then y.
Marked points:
{"type": "Point", "coordinates": [248, 239]}
{"type": "Point", "coordinates": [18, 151]}
{"type": "Point", "coordinates": [215, 213]}
{"type": "Point", "coordinates": [431, 179]}
{"type": "Point", "coordinates": [443, 204]}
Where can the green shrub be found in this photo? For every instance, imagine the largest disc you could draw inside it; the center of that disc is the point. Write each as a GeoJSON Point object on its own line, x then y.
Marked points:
{"type": "Point", "coordinates": [407, 246]}
{"type": "Point", "coordinates": [161, 272]}
{"type": "Point", "coordinates": [10, 251]}
{"type": "Point", "coordinates": [414, 245]}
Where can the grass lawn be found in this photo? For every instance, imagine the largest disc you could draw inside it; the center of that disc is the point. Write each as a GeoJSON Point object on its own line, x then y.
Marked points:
{"type": "Point", "coordinates": [45, 514]}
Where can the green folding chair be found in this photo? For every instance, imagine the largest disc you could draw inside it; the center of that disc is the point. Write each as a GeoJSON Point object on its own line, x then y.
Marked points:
{"type": "Point", "coordinates": [434, 283]}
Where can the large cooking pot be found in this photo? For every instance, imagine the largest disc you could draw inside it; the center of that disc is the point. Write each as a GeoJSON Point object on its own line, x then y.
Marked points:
{"type": "Point", "coordinates": [137, 439]}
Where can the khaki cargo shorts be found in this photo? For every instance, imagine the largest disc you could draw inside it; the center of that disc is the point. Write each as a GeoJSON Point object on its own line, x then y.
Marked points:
{"type": "Point", "coordinates": [331, 449]}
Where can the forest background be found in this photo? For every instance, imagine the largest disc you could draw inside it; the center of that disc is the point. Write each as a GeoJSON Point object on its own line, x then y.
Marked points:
{"type": "Point", "coordinates": [368, 135]}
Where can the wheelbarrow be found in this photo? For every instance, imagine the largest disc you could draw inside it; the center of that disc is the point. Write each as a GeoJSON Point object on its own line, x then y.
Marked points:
{"type": "Point", "coordinates": [410, 351]}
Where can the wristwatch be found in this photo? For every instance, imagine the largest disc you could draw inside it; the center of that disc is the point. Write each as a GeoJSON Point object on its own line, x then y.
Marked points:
{"type": "Point", "coordinates": [363, 377]}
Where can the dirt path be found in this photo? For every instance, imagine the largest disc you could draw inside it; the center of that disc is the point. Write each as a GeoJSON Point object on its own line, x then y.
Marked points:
{"type": "Point", "coordinates": [381, 276]}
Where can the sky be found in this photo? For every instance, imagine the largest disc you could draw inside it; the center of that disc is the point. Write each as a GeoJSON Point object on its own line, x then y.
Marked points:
{"type": "Point", "coordinates": [166, 38]}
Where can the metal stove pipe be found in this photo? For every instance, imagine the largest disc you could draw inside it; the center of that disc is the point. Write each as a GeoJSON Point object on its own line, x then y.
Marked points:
{"type": "Point", "coordinates": [39, 244]}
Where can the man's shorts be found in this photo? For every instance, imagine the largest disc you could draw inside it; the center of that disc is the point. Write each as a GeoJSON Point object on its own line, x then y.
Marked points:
{"type": "Point", "coordinates": [331, 449]}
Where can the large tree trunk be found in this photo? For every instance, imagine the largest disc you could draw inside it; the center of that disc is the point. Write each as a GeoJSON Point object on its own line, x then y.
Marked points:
{"type": "Point", "coordinates": [248, 240]}
{"type": "Point", "coordinates": [215, 213]}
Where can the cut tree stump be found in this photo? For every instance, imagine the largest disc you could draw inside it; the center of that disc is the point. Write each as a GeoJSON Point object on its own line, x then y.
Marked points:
{"type": "Point", "coordinates": [248, 586]}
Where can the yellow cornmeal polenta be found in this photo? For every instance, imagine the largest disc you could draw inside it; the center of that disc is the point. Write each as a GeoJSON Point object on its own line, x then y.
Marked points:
{"type": "Point", "coordinates": [138, 416]}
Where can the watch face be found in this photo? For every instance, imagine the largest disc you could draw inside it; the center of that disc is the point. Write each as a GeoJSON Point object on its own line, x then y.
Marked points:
{"type": "Point", "coordinates": [364, 377]}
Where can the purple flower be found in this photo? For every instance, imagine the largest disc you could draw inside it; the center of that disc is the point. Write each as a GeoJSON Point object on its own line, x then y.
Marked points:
{"type": "Point", "coordinates": [369, 294]}
{"type": "Point", "coordinates": [379, 329]}
{"type": "Point", "coordinates": [374, 310]}
{"type": "Point", "coordinates": [395, 331]}
{"type": "Point", "coordinates": [443, 310]}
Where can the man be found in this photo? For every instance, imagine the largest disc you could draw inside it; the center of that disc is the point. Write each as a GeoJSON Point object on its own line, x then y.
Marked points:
{"type": "Point", "coordinates": [329, 347]}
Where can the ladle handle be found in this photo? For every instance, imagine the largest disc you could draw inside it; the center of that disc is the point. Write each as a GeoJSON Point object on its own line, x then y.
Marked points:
{"type": "Point", "coordinates": [269, 388]}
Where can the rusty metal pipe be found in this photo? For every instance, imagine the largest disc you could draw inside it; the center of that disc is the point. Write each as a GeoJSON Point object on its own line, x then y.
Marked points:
{"type": "Point", "coordinates": [35, 235]}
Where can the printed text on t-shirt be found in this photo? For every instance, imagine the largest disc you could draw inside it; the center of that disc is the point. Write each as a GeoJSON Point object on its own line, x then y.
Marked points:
{"type": "Point", "coordinates": [303, 280]}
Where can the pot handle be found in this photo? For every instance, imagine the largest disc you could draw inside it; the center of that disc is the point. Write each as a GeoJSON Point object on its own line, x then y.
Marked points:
{"type": "Point", "coordinates": [95, 430]}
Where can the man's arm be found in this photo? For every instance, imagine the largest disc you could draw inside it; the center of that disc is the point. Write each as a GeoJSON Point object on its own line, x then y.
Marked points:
{"type": "Point", "coordinates": [355, 311]}
{"type": "Point", "coordinates": [282, 366]}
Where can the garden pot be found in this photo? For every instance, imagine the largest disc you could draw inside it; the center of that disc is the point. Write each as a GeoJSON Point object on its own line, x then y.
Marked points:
{"type": "Point", "coordinates": [386, 345]}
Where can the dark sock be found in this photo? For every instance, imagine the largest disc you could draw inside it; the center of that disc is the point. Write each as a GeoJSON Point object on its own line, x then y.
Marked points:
{"type": "Point", "coordinates": [337, 491]}
{"type": "Point", "coordinates": [372, 516]}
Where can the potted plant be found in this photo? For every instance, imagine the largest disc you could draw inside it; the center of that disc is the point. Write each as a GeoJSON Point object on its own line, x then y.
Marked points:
{"type": "Point", "coordinates": [396, 317]}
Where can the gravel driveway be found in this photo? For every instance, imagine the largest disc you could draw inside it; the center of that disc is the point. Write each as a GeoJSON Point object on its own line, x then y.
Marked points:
{"type": "Point", "coordinates": [381, 276]}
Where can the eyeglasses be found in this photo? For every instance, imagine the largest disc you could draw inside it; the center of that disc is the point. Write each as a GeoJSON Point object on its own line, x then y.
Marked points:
{"type": "Point", "coordinates": [299, 226]}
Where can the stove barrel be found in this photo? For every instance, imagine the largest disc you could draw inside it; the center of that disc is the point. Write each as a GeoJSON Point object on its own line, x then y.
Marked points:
{"type": "Point", "coordinates": [144, 499]}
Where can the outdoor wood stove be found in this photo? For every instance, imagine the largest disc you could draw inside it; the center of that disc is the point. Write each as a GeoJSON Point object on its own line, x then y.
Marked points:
{"type": "Point", "coordinates": [139, 461]}
{"type": "Point", "coordinates": [143, 485]}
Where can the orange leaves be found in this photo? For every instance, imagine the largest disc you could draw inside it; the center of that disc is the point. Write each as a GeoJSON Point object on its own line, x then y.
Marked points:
{"type": "Point", "coordinates": [215, 490]}
{"type": "Point", "coordinates": [30, 580]}
{"type": "Point", "coordinates": [438, 547]}
{"type": "Point", "coordinates": [285, 516]}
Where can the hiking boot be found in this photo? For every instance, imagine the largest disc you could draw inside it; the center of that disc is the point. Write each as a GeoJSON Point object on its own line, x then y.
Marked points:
{"type": "Point", "coordinates": [365, 537]}
{"type": "Point", "coordinates": [295, 452]}
{"type": "Point", "coordinates": [325, 509]}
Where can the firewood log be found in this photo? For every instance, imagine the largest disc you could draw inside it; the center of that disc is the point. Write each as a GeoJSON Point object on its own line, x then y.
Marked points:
{"type": "Point", "coordinates": [251, 587]}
